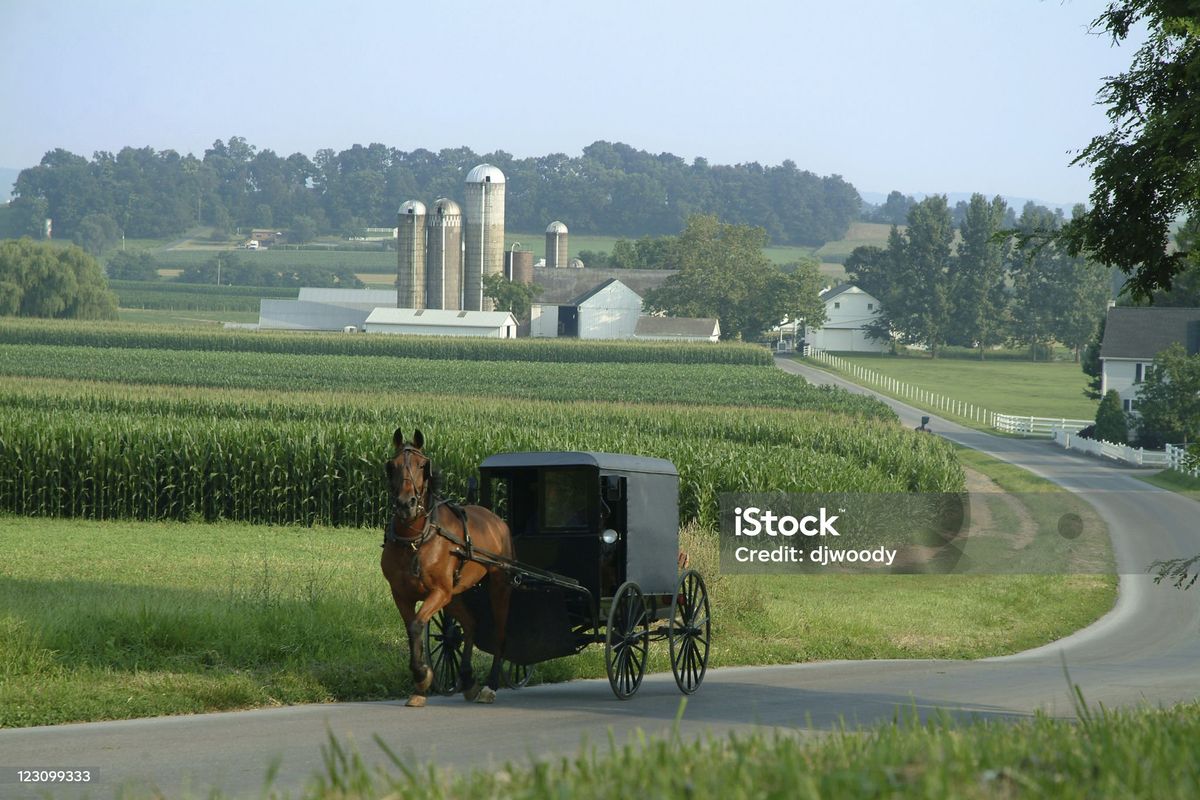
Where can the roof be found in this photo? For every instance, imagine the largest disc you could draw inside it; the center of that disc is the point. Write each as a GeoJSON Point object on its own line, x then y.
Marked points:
{"type": "Point", "coordinates": [1145, 332]}
{"type": "Point", "coordinates": [842, 288]}
{"type": "Point", "coordinates": [614, 462]}
{"type": "Point", "coordinates": [579, 300]}
{"type": "Point", "coordinates": [414, 207]}
{"type": "Point", "coordinates": [444, 206]}
{"type": "Point", "coordinates": [372, 297]}
{"type": "Point", "coordinates": [677, 326]}
{"type": "Point", "coordinates": [556, 227]}
{"type": "Point", "coordinates": [437, 316]}
{"type": "Point", "coordinates": [485, 173]}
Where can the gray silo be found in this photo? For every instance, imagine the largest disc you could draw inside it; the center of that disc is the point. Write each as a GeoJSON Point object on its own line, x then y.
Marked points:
{"type": "Point", "coordinates": [556, 245]}
{"type": "Point", "coordinates": [444, 271]}
{"type": "Point", "coordinates": [410, 255]}
{"type": "Point", "coordinates": [484, 255]}
{"type": "Point", "coordinates": [518, 266]}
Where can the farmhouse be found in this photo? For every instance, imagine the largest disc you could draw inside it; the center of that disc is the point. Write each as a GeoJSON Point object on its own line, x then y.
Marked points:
{"type": "Point", "coordinates": [443, 322]}
{"type": "Point", "coordinates": [848, 310]}
{"type": "Point", "coordinates": [608, 310]}
{"type": "Point", "coordinates": [1133, 337]}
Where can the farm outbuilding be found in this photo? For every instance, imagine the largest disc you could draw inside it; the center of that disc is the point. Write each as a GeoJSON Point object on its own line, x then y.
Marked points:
{"type": "Point", "coordinates": [442, 322]}
{"type": "Point", "coordinates": [608, 310]}
{"type": "Point", "coordinates": [848, 311]}
{"type": "Point", "coordinates": [323, 309]}
{"type": "Point", "coordinates": [678, 329]}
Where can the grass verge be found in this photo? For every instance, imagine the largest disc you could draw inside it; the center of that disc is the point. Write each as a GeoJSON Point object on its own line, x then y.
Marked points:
{"type": "Point", "coordinates": [1129, 753]}
{"type": "Point", "coordinates": [144, 619]}
{"type": "Point", "coordinates": [1174, 481]}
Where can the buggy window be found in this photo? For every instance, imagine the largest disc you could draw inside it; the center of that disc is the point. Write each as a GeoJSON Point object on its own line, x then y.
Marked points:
{"type": "Point", "coordinates": [565, 498]}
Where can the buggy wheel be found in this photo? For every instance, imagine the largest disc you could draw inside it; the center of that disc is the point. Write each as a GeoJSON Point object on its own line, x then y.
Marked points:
{"type": "Point", "coordinates": [516, 676]}
{"type": "Point", "coordinates": [626, 641]}
{"type": "Point", "coordinates": [688, 631]}
{"type": "Point", "coordinates": [444, 651]}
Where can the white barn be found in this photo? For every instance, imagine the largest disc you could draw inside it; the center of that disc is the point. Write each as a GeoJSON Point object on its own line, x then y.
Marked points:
{"type": "Point", "coordinates": [848, 310]}
{"type": "Point", "coordinates": [678, 329]}
{"type": "Point", "coordinates": [1133, 337]}
{"type": "Point", "coordinates": [609, 310]}
{"type": "Point", "coordinates": [442, 322]}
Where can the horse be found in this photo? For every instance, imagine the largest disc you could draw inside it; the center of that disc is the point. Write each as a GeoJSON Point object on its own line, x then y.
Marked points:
{"type": "Point", "coordinates": [427, 556]}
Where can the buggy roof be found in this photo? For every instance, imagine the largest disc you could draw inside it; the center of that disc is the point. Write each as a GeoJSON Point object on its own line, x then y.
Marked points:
{"type": "Point", "coordinates": [614, 462]}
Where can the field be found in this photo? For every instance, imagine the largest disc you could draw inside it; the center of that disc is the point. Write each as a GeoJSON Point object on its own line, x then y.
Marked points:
{"type": "Point", "coordinates": [1040, 389]}
{"type": "Point", "coordinates": [861, 234]}
{"type": "Point", "coordinates": [225, 516]}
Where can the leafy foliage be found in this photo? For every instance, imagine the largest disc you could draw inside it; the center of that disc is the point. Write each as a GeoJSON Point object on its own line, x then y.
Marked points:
{"type": "Point", "coordinates": [40, 280]}
{"type": "Point", "coordinates": [1111, 423]}
{"type": "Point", "coordinates": [1168, 402]}
{"type": "Point", "coordinates": [1146, 168]}
{"type": "Point", "coordinates": [510, 295]}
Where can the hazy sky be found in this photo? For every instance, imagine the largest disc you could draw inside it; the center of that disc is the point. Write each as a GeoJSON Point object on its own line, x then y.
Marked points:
{"type": "Point", "coordinates": [923, 96]}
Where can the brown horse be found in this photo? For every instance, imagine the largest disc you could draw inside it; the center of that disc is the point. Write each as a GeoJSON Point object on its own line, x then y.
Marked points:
{"type": "Point", "coordinates": [426, 557]}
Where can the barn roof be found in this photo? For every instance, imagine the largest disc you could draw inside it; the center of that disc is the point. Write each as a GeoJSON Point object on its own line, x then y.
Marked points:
{"type": "Point", "coordinates": [440, 317]}
{"type": "Point", "coordinates": [677, 326]}
{"type": "Point", "coordinates": [1145, 332]}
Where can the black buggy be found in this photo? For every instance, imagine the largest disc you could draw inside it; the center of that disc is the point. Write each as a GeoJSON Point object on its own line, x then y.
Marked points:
{"type": "Point", "coordinates": [596, 538]}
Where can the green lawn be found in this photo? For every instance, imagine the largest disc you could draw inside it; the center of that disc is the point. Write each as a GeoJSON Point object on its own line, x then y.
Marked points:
{"type": "Point", "coordinates": [1040, 389]}
{"type": "Point", "coordinates": [1174, 481]}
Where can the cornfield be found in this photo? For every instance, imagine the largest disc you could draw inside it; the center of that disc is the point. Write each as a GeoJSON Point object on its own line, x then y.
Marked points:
{"type": "Point", "coordinates": [74, 449]}
{"type": "Point", "coordinates": [61, 332]}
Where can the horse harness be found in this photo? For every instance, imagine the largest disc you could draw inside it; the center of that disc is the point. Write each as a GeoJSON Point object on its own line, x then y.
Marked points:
{"type": "Point", "coordinates": [465, 550]}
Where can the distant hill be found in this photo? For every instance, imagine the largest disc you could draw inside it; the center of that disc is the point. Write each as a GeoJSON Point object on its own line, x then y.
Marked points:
{"type": "Point", "coordinates": [7, 178]}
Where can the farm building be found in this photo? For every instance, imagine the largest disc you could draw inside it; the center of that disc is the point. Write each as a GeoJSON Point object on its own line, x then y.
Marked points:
{"type": "Point", "coordinates": [1133, 337]}
{"type": "Point", "coordinates": [848, 310]}
{"type": "Point", "coordinates": [678, 329]}
{"type": "Point", "coordinates": [608, 310]}
{"type": "Point", "coordinates": [323, 309]}
{"type": "Point", "coordinates": [442, 322]}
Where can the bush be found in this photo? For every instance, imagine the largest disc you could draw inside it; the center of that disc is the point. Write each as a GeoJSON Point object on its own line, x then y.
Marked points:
{"type": "Point", "coordinates": [1111, 425]}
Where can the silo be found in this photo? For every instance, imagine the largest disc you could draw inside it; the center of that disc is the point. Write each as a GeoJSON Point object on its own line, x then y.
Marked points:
{"type": "Point", "coordinates": [484, 214]}
{"type": "Point", "coordinates": [410, 255]}
{"type": "Point", "coordinates": [518, 266]}
{"type": "Point", "coordinates": [556, 245]}
{"type": "Point", "coordinates": [444, 232]}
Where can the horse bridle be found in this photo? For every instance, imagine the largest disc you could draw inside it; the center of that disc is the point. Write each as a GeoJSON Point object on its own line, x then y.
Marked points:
{"type": "Point", "coordinates": [420, 509]}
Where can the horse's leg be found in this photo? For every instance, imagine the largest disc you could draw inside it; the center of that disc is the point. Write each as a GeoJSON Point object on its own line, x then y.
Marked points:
{"type": "Point", "coordinates": [466, 675]}
{"type": "Point", "coordinates": [434, 602]}
{"type": "Point", "coordinates": [500, 591]}
{"type": "Point", "coordinates": [421, 674]}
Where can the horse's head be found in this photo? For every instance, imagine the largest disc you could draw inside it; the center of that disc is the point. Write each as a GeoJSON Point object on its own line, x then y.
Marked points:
{"type": "Point", "coordinates": [410, 474]}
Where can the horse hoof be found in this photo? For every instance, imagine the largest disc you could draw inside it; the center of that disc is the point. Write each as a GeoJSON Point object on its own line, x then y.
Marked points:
{"type": "Point", "coordinates": [470, 694]}
{"type": "Point", "coordinates": [486, 695]}
{"type": "Point", "coordinates": [423, 686]}
{"type": "Point", "coordinates": [416, 701]}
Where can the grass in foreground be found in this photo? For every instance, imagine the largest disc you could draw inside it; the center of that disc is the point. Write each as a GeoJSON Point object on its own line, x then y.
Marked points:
{"type": "Point", "coordinates": [1131, 753]}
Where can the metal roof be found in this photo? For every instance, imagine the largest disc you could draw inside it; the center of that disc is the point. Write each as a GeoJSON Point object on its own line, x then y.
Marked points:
{"type": "Point", "coordinates": [615, 462]}
{"type": "Point", "coordinates": [448, 318]}
{"type": "Point", "coordinates": [556, 227]}
{"type": "Point", "coordinates": [485, 173]}
{"type": "Point", "coordinates": [374, 297]}
{"type": "Point", "coordinates": [414, 207]}
{"type": "Point", "coordinates": [445, 206]}
{"type": "Point", "coordinates": [1143, 333]}
{"type": "Point", "coordinates": [683, 327]}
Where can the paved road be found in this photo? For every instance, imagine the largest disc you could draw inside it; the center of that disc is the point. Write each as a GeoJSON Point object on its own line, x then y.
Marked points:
{"type": "Point", "coordinates": [1145, 650]}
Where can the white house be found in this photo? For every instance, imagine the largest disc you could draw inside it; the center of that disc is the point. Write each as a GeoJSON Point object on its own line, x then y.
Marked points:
{"type": "Point", "coordinates": [608, 310]}
{"type": "Point", "coordinates": [848, 310]}
{"type": "Point", "coordinates": [442, 322]}
{"type": "Point", "coordinates": [678, 329]}
{"type": "Point", "coordinates": [1133, 337]}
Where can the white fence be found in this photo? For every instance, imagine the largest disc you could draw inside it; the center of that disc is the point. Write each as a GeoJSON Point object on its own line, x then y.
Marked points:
{"type": "Point", "coordinates": [1178, 459]}
{"type": "Point", "coordinates": [1008, 423]}
{"type": "Point", "coordinates": [1118, 452]}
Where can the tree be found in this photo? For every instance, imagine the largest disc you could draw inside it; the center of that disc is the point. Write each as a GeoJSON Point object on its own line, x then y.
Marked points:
{"type": "Point", "coordinates": [980, 299]}
{"type": "Point", "coordinates": [304, 229]}
{"type": "Point", "coordinates": [723, 273]}
{"type": "Point", "coordinates": [1034, 267]}
{"type": "Point", "coordinates": [40, 280]}
{"type": "Point", "coordinates": [132, 265]}
{"type": "Point", "coordinates": [1146, 168]}
{"type": "Point", "coordinates": [96, 233]}
{"type": "Point", "coordinates": [1111, 424]}
{"type": "Point", "coordinates": [1168, 402]}
{"type": "Point", "coordinates": [1091, 364]}
{"type": "Point", "coordinates": [510, 295]}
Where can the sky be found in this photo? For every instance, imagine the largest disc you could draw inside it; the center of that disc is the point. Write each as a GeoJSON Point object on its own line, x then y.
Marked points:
{"type": "Point", "coordinates": [925, 96]}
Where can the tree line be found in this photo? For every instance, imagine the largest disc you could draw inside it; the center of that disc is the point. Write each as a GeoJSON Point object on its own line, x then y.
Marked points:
{"type": "Point", "coordinates": [984, 287]}
{"type": "Point", "coordinates": [610, 189]}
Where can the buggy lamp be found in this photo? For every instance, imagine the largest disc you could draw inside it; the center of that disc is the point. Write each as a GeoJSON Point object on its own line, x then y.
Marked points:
{"type": "Point", "coordinates": [608, 536]}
